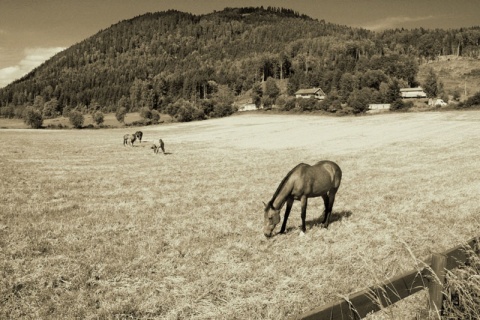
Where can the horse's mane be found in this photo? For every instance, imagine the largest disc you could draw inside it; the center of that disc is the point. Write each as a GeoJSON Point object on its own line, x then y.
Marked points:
{"type": "Point", "coordinates": [280, 186]}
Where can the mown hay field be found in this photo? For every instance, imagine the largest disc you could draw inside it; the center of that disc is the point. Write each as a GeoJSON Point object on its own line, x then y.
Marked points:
{"type": "Point", "coordinates": [91, 229]}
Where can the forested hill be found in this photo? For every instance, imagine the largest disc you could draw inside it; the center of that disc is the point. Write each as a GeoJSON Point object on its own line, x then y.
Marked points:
{"type": "Point", "coordinates": [158, 59]}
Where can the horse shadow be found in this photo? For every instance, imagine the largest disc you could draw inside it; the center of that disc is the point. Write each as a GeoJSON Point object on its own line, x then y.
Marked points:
{"type": "Point", "coordinates": [334, 217]}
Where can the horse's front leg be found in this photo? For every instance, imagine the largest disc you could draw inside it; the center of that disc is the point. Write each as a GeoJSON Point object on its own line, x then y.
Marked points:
{"type": "Point", "coordinates": [303, 202]}
{"type": "Point", "coordinates": [287, 213]}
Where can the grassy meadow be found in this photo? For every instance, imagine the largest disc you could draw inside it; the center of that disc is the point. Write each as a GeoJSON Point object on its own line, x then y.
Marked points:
{"type": "Point", "coordinates": [91, 229]}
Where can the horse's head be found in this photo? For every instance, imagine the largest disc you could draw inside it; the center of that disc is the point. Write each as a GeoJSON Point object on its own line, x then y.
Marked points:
{"type": "Point", "coordinates": [271, 219]}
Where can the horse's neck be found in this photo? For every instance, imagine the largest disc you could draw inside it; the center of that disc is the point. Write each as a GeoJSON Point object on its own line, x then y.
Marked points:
{"type": "Point", "coordinates": [281, 196]}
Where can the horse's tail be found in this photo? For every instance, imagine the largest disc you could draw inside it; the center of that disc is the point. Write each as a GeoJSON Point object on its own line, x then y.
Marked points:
{"type": "Point", "coordinates": [337, 178]}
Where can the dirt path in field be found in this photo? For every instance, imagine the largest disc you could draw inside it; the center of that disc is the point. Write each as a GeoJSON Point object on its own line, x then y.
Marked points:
{"type": "Point", "coordinates": [330, 134]}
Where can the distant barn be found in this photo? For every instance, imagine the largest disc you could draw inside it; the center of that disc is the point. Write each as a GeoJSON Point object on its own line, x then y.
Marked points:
{"type": "Point", "coordinates": [316, 93]}
{"type": "Point", "coordinates": [412, 93]}
{"type": "Point", "coordinates": [378, 107]}
{"type": "Point", "coordinates": [247, 107]}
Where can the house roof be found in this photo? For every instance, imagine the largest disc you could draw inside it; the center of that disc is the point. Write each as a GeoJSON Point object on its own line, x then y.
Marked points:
{"type": "Point", "coordinates": [310, 91]}
{"type": "Point", "coordinates": [411, 89]}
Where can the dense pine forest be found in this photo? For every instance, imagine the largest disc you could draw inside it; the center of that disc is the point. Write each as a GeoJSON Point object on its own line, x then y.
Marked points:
{"type": "Point", "coordinates": [197, 66]}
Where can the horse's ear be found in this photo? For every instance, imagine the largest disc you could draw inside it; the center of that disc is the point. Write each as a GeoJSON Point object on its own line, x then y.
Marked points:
{"type": "Point", "coordinates": [265, 205]}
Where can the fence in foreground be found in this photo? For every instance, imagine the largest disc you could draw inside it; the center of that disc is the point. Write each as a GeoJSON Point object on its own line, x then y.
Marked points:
{"type": "Point", "coordinates": [375, 298]}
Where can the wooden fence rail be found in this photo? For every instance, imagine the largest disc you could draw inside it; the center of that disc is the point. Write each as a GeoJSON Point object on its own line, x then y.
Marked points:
{"type": "Point", "coordinates": [375, 298]}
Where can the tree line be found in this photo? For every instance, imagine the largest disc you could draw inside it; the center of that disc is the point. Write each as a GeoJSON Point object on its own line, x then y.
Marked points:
{"type": "Point", "coordinates": [195, 66]}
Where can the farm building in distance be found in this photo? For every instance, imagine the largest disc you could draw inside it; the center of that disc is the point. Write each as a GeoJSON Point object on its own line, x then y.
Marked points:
{"type": "Point", "coordinates": [378, 107]}
{"type": "Point", "coordinates": [247, 107]}
{"type": "Point", "coordinates": [412, 93]}
{"type": "Point", "coordinates": [437, 102]}
{"type": "Point", "coordinates": [316, 93]}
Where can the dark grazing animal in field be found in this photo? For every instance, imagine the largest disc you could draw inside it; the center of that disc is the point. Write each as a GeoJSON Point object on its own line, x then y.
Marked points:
{"type": "Point", "coordinates": [139, 135]}
{"type": "Point", "coordinates": [303, 182]}
{"type": "Point", "coordinates": [161, 145]}
{"type": "Point", "coordinates": [156, 147]}
{"type": "Point", "coordinates": [129, 138]}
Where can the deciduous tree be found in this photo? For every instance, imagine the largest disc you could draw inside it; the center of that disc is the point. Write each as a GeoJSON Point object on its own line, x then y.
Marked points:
{"type": "Point", "coordinates": [98, 117]}
{"type": "Point", "coordinates": [432, 86]}
{"type": "Point", "coordinates": [120, 114]}
{"type": "Point", "coordinates": [76, 119]}
{"type": "Point", "coordinates": [33, 117]}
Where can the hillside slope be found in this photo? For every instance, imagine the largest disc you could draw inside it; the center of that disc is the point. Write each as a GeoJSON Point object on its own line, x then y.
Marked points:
{"type": "Point", "coordinates": [456, 73]}
{"type": "Point", "coordinates": [169, 60]}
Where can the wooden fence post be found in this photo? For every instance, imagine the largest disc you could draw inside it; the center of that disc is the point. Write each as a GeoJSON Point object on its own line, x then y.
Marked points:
{"type": "Point", "coordinates": [437, 279]}
{"type": "Point", "coordinates": [376, 297]}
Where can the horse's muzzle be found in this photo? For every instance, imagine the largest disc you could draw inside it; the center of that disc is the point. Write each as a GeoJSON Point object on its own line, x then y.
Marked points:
{"type": "Point", "coordinates": [268, 231]}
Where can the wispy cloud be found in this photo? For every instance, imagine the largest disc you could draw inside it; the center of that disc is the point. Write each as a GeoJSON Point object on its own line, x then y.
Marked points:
{"type": "Point", "coordinates": [395, 22]}
{"type": "Point", "coordinates": [33, 57]}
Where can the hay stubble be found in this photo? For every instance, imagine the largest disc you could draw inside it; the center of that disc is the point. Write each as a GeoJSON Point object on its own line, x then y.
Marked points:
{"type": "Point", "coordinates": [90, 228]}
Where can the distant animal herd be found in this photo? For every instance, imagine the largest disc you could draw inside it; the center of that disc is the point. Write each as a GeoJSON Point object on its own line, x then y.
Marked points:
{"type": "Point", "coordinates": [129, 139]}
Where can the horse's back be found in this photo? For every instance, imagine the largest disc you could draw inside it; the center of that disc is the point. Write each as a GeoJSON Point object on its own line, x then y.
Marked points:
{"type": "Point", "coordinates": [315, 180]}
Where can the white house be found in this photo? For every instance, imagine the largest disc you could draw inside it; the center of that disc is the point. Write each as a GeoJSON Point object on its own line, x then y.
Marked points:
{"type": "Point", "coordinates": [437, 102]}
{"type": "Point", "coordinates": [412, 93]}
{"type": "Point", "coordinates": [378, 107]}
{"type": "Point", "coordinates": [316, 93]}
{"type": "Point", "coordinates": [247, 107]}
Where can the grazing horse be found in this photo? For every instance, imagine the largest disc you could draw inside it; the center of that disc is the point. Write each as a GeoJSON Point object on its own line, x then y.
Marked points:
{"type": "Point", "coordinates": [162, 145]}
{"type": "Point", "coordinates": [129, 138]}
{"type": "Point", "coordinates": [303, 182]}
{"type": "Point", "coordinates": [156, 148]}
{"type": "Point", "coordinates": [139, 135]}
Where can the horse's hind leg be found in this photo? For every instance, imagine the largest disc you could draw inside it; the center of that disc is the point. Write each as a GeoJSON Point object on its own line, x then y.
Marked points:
{"type": "Point", "coordinates": [287, 213]}
{"type": "Point", "coordinates": [326, 203]}
{"type": "Point", "coordinates": [328, 209]}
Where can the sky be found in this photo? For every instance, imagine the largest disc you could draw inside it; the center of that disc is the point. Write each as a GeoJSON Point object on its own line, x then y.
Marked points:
{"type": "Point", "coordinates": [32, 31]}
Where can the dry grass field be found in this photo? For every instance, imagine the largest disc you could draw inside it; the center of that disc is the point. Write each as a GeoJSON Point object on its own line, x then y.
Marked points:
{"type": "Point", "coordinates": [90, 229]}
